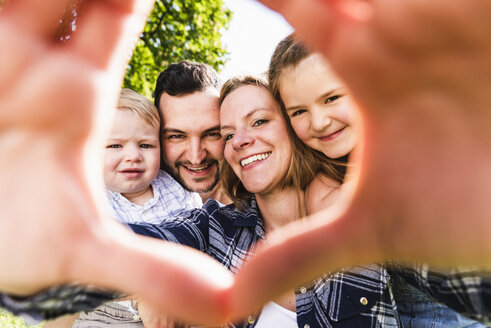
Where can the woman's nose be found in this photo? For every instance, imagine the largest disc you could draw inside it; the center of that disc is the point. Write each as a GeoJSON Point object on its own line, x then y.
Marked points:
{"type": "Point", "coordinates": [242, 139]}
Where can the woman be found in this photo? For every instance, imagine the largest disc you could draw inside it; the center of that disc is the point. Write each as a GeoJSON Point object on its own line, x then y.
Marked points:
{"type": "Point", "coordinates": [266, 173]}
{"type": "Point", "coordinates": [322, 113]}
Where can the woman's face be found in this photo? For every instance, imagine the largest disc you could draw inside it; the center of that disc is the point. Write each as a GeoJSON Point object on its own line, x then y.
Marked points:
{"type": "Point", "coordinates": [320, 110]}
{"type": "Point", "coordinates": [257, 145]}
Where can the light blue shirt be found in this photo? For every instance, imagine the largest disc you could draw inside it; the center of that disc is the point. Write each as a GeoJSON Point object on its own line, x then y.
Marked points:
{"type": "Point", "coordinates": [169, 199]}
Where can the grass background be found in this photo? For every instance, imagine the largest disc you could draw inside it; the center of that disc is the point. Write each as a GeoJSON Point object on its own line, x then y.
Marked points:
{"type": "Point", "coordinates": [8, 320]}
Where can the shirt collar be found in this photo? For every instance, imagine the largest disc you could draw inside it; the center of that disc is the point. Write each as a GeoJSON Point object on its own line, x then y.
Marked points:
{"type": "Point", "coordinates": [250, 216]}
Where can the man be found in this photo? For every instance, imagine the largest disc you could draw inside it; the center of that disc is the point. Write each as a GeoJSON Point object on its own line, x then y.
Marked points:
{"type": "Point", "coordinates": [186, 95]}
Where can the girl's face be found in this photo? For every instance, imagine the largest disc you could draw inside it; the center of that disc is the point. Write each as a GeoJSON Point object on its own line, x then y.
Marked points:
{"type": "Point", "coordinates": [320, 110]}
{"type": "Point", "coordinates": [257, 145]}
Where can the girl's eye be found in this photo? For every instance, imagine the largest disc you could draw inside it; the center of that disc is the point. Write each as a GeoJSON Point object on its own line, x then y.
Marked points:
{"type": "Point", "coordinates": [145, 146]}
{"type": "Point", "coordinates": [259, 122]}
{"type": "Point", "coordinates": [113, 146]}
{"type": "Point", "coordinates": [297, 112]}
{"type": "Point", "coordinates": [228, 137]}
{"type": "Point", "coordinates": [332, 99]}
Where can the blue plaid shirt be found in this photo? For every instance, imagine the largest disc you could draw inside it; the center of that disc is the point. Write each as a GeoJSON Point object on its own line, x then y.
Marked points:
{"type": "Point", "coordinates": [465, 290]}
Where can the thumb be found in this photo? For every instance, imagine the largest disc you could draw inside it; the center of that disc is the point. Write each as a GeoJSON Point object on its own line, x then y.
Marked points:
{"type": "Point", "coordinates": [183, 282]}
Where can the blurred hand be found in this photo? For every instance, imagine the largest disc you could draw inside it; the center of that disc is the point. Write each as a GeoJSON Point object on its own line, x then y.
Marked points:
{"type": "Point", "coordinates": [420, 72]}
{"type": "Point", "coordinates": [54, 99]}
{"type": "Point", "coordinates": [154, 318]}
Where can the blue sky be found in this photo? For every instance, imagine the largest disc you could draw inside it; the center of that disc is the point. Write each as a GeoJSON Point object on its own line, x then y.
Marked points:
{"type": "Point", "coordinates": [253, 34]}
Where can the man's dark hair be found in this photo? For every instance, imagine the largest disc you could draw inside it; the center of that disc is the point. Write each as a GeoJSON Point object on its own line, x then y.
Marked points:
{"type": "Point", "coordinates": [183, 78]}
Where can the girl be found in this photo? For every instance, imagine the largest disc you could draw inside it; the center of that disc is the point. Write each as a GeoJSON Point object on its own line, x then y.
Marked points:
{"type": "Point", "coordinates": [322, 113]}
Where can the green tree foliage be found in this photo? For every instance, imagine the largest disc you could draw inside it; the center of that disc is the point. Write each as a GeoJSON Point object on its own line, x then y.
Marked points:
{"type": "Point", "coordinates": [178, 30]}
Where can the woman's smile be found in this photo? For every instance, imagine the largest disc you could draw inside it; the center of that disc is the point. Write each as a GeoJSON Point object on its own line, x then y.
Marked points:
{"type": "Point", "coordinates": [248, 161]}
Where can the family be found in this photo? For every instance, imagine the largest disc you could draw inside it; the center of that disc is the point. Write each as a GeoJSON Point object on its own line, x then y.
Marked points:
{"type": "Point", "coordinates": [286, 142]}
{"type": "Point", "coordinates": [226, 172]}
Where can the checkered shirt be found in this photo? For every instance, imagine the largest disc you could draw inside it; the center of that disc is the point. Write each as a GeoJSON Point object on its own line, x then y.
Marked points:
{"type": "Point", "coordinates": [466, 290]}
{"type": "Point", "coordinates": [332, 300]}
{"type": "Point", "coordinates": [169, 199]}
{"type": "Point", "coordinates": [355, 297]}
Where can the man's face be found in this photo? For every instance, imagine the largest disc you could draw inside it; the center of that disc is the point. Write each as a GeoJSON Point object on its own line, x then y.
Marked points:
{"type": "Point", "coordinates": [191, 142]}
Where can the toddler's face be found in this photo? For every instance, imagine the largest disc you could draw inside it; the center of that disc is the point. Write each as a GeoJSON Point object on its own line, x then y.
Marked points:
{"type": "Point", "coordinates": [320, 110]}
{"type": "Point", "coordinates": [132, 155]}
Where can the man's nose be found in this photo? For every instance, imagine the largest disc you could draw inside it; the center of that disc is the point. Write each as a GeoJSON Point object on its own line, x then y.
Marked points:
{"type": "Point", "coordinates": [197, 151]}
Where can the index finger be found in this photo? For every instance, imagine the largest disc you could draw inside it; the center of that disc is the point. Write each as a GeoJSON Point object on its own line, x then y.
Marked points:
{"type": "Point", "coordinates": [36, 17]}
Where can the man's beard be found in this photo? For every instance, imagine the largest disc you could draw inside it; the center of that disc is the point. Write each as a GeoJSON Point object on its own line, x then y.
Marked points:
{"type": "Point", "coordinates": [174, 172]}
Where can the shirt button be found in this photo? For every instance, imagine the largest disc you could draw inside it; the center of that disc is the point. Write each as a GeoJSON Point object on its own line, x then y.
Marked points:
{"type": "Point", "coordinates": [136, 317]}
{"type": "Point", "coordinates": [306, 325]}
{"type": "Point", "coordinates": [364, 301]}
{"type": "Point", "coordinates": [303, 290]}
{"type": "Point", "coordinates": [251, 319]}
